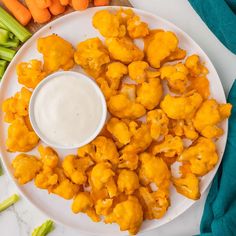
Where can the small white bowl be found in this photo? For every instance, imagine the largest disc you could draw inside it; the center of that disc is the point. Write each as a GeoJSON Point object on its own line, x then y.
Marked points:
{"type": "Point", "coordinates": [92, 85]}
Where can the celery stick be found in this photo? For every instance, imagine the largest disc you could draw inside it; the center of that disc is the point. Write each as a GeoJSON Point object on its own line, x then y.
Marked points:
{"type": "Point", "coordinates": [13, 43]}
{"type": "Point", "coordinates": [4, 36]}
{"type": "Point", "coordinates": [11, 35]}
{"type": "Point", "coordinates": [6, 53]}
{"type": "Point", "coordinates": [8, 202]}
{"type": "Point", "coordinates": [3, 66]}
{"type": "Point", "coordinates": [14, 26]}
{"type": "Point", "coordinates": [3, 26]}
{"type": "Point", "coordinates": [44, 229]}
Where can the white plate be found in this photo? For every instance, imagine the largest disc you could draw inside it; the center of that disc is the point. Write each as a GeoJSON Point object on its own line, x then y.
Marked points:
{"type": "Point", "coordinates": [77, 27]}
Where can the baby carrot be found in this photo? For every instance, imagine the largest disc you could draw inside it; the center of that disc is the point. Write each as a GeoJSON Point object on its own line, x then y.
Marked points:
{"type": "Point", "coordinates": [101, 2]}
{"type": "Point", "coordinates": [64, 2]}
{"type": "Point", "coordinates": [80, 4]}
{"type": "Point", "coordinates": [56, 8]}
{"type": "Point", "coordinates": [21, 13]}
{"type": "Point", "coordinates": [43, 3]}
{"type": "Point", "coordinates": [39, 15]}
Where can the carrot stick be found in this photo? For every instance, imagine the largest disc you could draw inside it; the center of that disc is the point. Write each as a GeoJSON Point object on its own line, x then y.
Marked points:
{"type": "Point", "coordinates": [101, 2]}
{"type": "Point", "coordinates": [39, 15]}
{"type": "Point", "coordinates": [64, 2]}
{"type": "Point", "coordinates": [80, 4]}
{"type": "Point", "coordinates": [43, 3]}
{"type": "Point", "coordinates": [21, 13]}
{"type": "Point", "coordinates": [56, 8]}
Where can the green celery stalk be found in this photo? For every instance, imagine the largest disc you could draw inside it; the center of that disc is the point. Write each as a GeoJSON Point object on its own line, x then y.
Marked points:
{"type": "Point", "coordinates": [6, 53]}
{"type": "Point", "coordinates": [8, 202]}
{"type": "Point", "coordinates": [3, 66]}
{"type": "Point", "coordinates": [1, 169]}
{"type": "Point", "coordinates": [13, 43]}
{"type": "Point", "coordinates": [4, 35]}
{"type": "Point", "coordinates": [43, 229]}
{"type": "Point", "coordinates": [14, 26]}
{"type": "Point", "coordinates": [11, 35]}
{"type": "Point", "coordinates": [3, 26]}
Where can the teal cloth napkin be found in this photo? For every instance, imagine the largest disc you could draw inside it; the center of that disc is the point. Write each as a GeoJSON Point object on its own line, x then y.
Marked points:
{"type": "Point", "coordinates": [220, 17]}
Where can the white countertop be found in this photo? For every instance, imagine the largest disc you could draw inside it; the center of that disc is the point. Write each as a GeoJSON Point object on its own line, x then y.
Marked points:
{"type": "Point", "coordinates": [22, 218]}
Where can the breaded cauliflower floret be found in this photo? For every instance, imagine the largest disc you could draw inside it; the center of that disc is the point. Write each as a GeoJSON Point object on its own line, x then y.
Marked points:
{"type": "Point", "coordinates": [124, 15]}
{"type": "Point", "coordinates": [127, 181]}
{"type": "Point", "coordinates": [149, 93]}
{"type": "Point", "coordinates": [30, 73]}
{"type": "Point", "coordinates": [26, 167]}
{"type": "Point", "coordinates": [20, 138]}
{"type": "Point", "coordinates": [200, 85]}
{"type": "Point", "coordinates": [108, 24]}
{"type": "Point", "coordinates": [158, 123]}
{"type": "Point", "coordinates": [188, 186]}
{"type": "Point", "coordinates": [57, 53]}
{"type": "Point", "coordinates": [105, 87]}
{"type": "Point", "coordinates": [124, 50]}
{"type": "Point", "coordinates": [183, 107]}
{"type": "Point", "coordinates": [128, 160]}
{"type": "Point", "coordinates": [178, 54]}
{"type": "Point", "coordinates": [17, 106]}
{"type": "Point", "coordinates": [49, 157]}
{"type": "Point", "coordinates": [176, 76]}
{"type": "Point", "coordinates": [136, 28]}
{"type": "Point", "coordinates": [102, 176]}
{"type": "Point", "coordinates": [202, 156]}
{"type": "Point", "coordinates": [127, 214]}
{"type": "Point", "coordinates": [160, 47]}
{"type": "Point", "coordinates": [92, 56]}
{"type": "Point", "coordinates": [75, 168]}
{"type": "Point", "coordinates": [83, 203]}
{"type": "Point", "coordinates": [104, 206]}
{"type": "Point", "coordinates": [209, 115]}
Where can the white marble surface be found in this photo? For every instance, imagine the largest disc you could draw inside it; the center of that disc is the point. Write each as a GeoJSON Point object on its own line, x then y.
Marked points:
{"type": "Point", "coordinates": [22, 218]}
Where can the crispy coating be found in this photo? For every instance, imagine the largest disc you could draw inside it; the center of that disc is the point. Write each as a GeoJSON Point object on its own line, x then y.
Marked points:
{"type": "Point", "coordinates": [49, 157]}
{"type": "Point", "coordinates": [183, 107]}
{"type": "Point", "coordinates": [104, 206]}
{"type": "Point", "coordinates": [124, 15]}
{"type": "Point", "coordinates": [124, 50]}
{"type": "Point", "coordinates": [20, 138]}
{"type": "Point", "coordinates": [160, 47]}
{"type": "Point", "coordinates": [209, 115]}
{"type": "Point", "coordinates": [26, 167]}
{"type": "Point", "coordinates": [202, 156]}
{"type": "Point", "coordinates": [30, 73]}
{"type": "Point", "coordinates": [178, 54]}
{"type": "Point", "coordinates": [149, 93]}
{"type": "Point", "coordinates": [107, 90]}
{"type": "Point", "coordinates": [200, 85]}
{"type": "Point", "coordinates": [128, 160]}
{"type": "Point", "coordinates": [108, 24]}
{"type": "Point", "coordinates": [17, 106]}
{"type": "Point", "coordinates": [127, 214]}
{"type": "Point", "coordinates": [92, 56]}
{"type": "Point", "coordinates": [57, 53]}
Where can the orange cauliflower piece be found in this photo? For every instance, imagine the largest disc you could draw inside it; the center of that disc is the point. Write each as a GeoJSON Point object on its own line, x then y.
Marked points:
{"type": "Point", "coordinates": [127, 181]}
{"type": "Point", "coordinates": [183, 107]}
{"type": "Point", "coordinates": [83, 203]}
{"type": "Point", "coordinates": [57, 53]}
{"type": "Point", "coordinates": [124, 15]}
{"type": "Point", "coordinates": [200, 85]}
{"type": "Point", "coordinates": [104, 206]}
{"type": "Point", "coordinates": [124, 50]}
{"type": "Point", "coordinates": [20, 138]}
{"type": "Point", "coordinates": [209, 115]}
{"type": "Point", "coordinates": [108, 24]}
{"type": "Point", "coordinates": [202, 156]}
{"type": "Point", "coordinates": [30, 73]}
{"type": "Point", "coordinates": [160, 47]}
{"type": "Point", "coordinates": [128, 160]}
{"type": "Point", "coordinates": [178, 54]}
{"type": "Point", "coordinates": [49, 157]}
{"type": "Point", "coordinates": [149, 93]}
{"type": "Point", "coordinates": [127, 214]}
{"type": "Point", "coordinates": [17, 106]}
{"type": "Point", "coordinates": [26, 167]}
{"type": "Point", "coordinates": [105, 87]}
{"type": "Point", "coordinates": [92, 56]}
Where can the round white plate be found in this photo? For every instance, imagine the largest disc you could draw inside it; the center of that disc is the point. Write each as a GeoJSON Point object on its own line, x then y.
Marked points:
{"type": "Point", "coordinates": [76, 27]}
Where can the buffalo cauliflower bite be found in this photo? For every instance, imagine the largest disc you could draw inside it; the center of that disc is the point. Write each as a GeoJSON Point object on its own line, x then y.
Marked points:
{"type": "Point", "coordinates": [183, 107]}
{"type": "Point", "coordinates": [124, 50]}
{"type": "Point", "coordinates": [102, 176]}
{"type": "Point", "coordinates": [160, 47]}
{"type": "Point", "coordinates": [176, 76]}
{"type": "Point", "coordinates": [158, 123]}
{"type": "Point", "coordinates": [57, 53]}
{"type": "Point", "coordinates": [83, 203]}
{"type": "Point", "coordinates": [26, 167]}
{"type": "Point", "coordinates": [128, 160]}
{"type": "Point", "coordinates": [105, 87]}
{"type": "Point", "coordinates": [202, 156]}
{"type": "Point", "coordinates": [17, 106]}
{"type": "Point", "coordinates": [178, 54]}
{"type": "Point", "coordinates": [20, 138]}
{"type": "Point", "coordinates": [127, 181]}
{"type": "Point", "coordinates": [30, 73]}
{"type": "Point", "coordinates": [209, 115]}
{"type": "Point", "coordinates": [124, 15]}
{"type": "Point", "coordinates": [200, 85]}
{"type": "Point", "coordinates": [92, 56]}
{"type": "Point", "coordinates": [136, 28]}
{"type": "Point", "coordinates": [127, 214]}
{"type": "Point", "coordinates": [149, 93]}
{"type": "Point", "coordinates": [75, 168]}
{"type": "Point", "coordinates": [188, 185]}
{"type": "Point", "coordinates": [49, 157]}
{"type": "Point", "coordinates": [108, 24]}
{"type": "Point", "coordinates": [104, 206]}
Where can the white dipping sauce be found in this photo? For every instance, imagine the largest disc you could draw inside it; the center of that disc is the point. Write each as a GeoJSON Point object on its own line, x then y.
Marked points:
{"type": "Point", "coordinates": [68, 110]}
